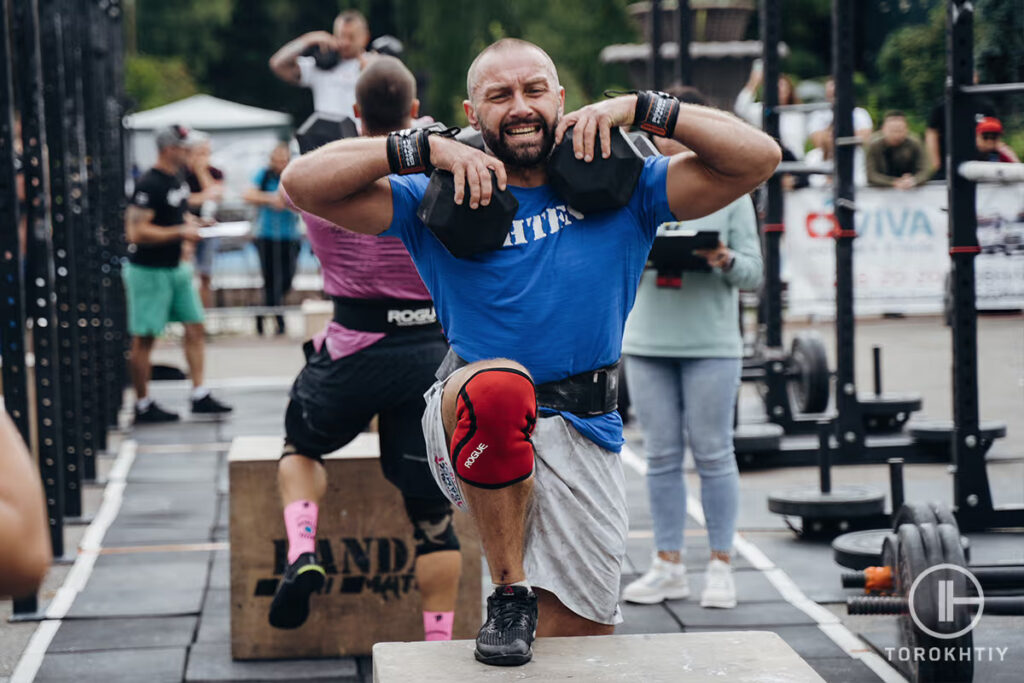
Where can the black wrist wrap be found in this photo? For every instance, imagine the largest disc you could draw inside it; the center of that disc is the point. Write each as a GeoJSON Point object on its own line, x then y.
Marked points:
{"type": "Point", "coordinates": [656, 112]}
{"type": "Point", "coordinates": [409, 149]}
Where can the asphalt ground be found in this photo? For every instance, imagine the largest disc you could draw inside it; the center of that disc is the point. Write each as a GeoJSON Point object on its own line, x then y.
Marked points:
{"type": "Point", "coordinates": [148, 599]}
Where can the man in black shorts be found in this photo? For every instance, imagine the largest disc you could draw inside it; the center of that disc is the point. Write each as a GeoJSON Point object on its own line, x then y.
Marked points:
{"type": "Point", "coordinates": [377, 357]}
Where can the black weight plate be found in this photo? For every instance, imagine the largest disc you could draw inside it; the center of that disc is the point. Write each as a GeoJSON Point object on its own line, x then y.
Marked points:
{"type": "Point", "coordinates": [943, 513]}
{"type": "Point", "coordinates": [860, 549]}
{"type": "Point", "coordinates": [843, 502]}
{"type": "Point", "coordinates": [962, 669]}
{"type": "Point", "coordinates": [911, 561]}
{"type": "Point", "coordinates": [888, 559]}
{"type": "Point", "coordinates": [913, 513]}
{"type": "Point", "coordinates": [939, 431]}
{"type": "Point", "coordinates": [932, 545]}
{"type": "Point", "coordinates": [810, 388]}
{"type": "Point", "coordinates": [888, 404]}
{"type": "Point", "coordinates": [757, 438]}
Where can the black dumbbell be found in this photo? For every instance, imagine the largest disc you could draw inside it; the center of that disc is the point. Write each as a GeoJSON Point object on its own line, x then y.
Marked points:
{"type": "Point", "coordinates": [598, 185]}
{"type": "Point", "coordinates": [320, 129]}
{"type": "Point", "coordinates": [463, 231]}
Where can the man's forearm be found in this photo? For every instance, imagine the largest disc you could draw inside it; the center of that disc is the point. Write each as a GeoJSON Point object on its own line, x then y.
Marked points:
{"type": "Point", "coordinates": [335, 171]}
{"type": "Point", "coordinates": [722, 142]}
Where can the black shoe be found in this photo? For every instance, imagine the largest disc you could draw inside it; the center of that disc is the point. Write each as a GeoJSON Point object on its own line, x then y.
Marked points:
{"type": "Point", "coordinates": [153, 415]}
{"type": "Point", "coordinates": [208, 405]}
{"type": "Point", "coordinates": [290, 605]}
{"type": "Point", "coordinates": [506, 636]}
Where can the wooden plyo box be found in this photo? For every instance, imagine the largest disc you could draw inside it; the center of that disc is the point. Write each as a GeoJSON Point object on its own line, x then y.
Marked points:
{"type": "Point", "coordinates": [365, 543]}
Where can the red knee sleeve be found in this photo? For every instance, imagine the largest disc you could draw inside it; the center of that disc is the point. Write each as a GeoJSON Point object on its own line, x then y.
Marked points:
{"type": "Point", "coordinates": [496, 411]}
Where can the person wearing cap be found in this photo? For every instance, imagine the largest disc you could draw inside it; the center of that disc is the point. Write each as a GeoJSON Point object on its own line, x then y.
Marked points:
{"type": "Point", "coordinates": [331, 72]}
{"type": "Point", "coordinates": [158, 285]}
{"type": "Point", "coordinates": [988, 138]}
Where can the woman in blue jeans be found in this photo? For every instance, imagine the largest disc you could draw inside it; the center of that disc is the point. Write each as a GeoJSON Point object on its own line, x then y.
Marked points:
{"type": "Point", "coordinates": [683, 361]}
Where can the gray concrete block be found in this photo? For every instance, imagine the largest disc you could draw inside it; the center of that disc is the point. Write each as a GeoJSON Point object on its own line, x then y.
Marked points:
{"type": "Point", "coordinates": [83, 635]}
{"type": "Point", "coordinates": [810, 642]}
{"type": "Point", "coordinates": [735, 657]}
{"type": "Point", "coordinates": [152, 665]}
{"type": "Point", "coordinates": [212, 663]}
{"type": "Point", "coordinates": [843, 670]}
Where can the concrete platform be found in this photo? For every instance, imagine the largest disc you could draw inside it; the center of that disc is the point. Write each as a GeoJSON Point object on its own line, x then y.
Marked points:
{"type": "Point", "coordinates": [661, 658]}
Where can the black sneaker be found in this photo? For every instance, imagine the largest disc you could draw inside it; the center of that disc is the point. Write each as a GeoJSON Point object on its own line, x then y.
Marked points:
{"type": "Point", "coordinates": [506, 636]}
{"type": "Point", "coordinates": [154, 414]}
{"type": "Point", "coordinates": [290, 605]}
{"type": "Point", "coordinates": [208, 405]}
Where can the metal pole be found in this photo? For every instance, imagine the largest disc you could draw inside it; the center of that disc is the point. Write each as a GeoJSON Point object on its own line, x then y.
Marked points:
{"type": "Point", "coordinates": [57, 138]}
{"type": "Point", "coordinates": [850, 428]}
{"type": "Point", "coordinates": [92, 86]}
{"type": "Point", "coordinates": [684, 66]}
{"type": "Point", "coordinates": [12, 291]}
{"type": "Point", "coordinates": [896, 483]}
{"type": "Point", "coordinates": [81, 226]}
{"type": "Point", "coordinates": [970, 484]}
{"type": "Point", "coordinates": [776, 395]}
{"type": "Point", "coordinates": [114, 173]}
{"type": "Point", "coordinates": [39, 293]}
{"type": "Point", "coordinates": [654, 66]}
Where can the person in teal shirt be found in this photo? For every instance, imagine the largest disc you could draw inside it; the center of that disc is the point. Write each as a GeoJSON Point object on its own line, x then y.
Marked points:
{"type": "Point", "coordinates": [684, 356]}
{"type": "Point", "coordinates": [277, 233]}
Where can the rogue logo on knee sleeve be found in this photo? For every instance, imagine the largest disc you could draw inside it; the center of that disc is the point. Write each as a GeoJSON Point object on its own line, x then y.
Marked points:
{"type": "Point", "coordinates": [496, 411]}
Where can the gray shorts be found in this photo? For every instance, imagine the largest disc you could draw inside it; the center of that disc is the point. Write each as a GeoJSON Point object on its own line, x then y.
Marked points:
{"type": "Point", "coordinates": [577, 521]}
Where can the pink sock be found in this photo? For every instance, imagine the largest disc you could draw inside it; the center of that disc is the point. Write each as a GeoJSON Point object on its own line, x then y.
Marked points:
{"type": "Point", "coordinates": [438, 625]}
{"type": "Point", "coordinates": [300, 522]}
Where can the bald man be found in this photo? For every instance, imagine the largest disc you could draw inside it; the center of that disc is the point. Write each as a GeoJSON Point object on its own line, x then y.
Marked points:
{"type": "Point", "coordinates": [376, 357]}
{"type": "Point", "coordinates": [333, 88]}
{"type": "Point", "coordinates": [521, 426]}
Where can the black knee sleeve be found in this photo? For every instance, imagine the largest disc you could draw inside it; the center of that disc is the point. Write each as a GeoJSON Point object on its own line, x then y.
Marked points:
{"type": "Point", "coordinates": [432, 525]}
{"type": "Point", "coordinates": [297, 437]}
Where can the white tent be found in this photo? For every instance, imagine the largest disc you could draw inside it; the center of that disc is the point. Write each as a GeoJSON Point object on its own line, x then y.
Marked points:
{"type": "Point", "coordinates": [241, 136]}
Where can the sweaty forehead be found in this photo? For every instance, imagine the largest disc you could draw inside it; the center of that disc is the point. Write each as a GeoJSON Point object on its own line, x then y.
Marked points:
{"type": "Point", "coordinates": [500, 68]}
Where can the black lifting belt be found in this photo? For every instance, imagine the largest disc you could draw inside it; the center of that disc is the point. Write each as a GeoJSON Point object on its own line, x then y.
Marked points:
{"type": "Point", "coordinates": [587, 394]}
{"type": "Point", "coordinates": [385, 315]}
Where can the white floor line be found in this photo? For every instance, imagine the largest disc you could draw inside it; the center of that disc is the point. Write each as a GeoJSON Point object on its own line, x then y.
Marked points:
{"type": "Point", "coordinates": [74, 582]}
{"type": "Point", "coordinates": [827, 622]}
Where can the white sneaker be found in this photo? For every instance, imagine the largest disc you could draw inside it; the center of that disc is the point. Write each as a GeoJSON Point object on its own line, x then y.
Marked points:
{"type": "Point", "coordinates": [719, 588]}
{"type": "Point", "coordinates": [663, 581]}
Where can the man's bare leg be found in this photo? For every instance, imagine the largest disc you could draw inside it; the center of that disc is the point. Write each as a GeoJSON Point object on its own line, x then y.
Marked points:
{"type": "Point", "coordinates": [500, 514]}
{"type": "Point", "coordinates": [555, 619]}
{"type": "Point", "coordinates": [142, 348]}
{"type": "Point", "coordinates": [506, 636]}
{"type": "Point", "coordinates": [195, 344]}
{"type": "Point", "coordinates": [437, 575]}
{"type": "Point", "coordinates": [302, 483]}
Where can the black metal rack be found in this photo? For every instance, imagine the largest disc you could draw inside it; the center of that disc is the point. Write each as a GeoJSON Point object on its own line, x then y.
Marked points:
{"type": "Point", "coordinates": [62, 293]}
{"type": "Point", "coordinates": [971, 491]}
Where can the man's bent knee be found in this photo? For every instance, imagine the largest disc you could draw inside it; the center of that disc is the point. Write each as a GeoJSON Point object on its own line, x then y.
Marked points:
{"type": "Point", "coordinates": [432, 525]}
{"type": "Point", "coordinates": [495, 413]}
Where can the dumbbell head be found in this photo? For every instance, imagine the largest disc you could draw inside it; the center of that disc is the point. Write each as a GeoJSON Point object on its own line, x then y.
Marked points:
{"type": "Point", "coordinates": [598, 185]}
{"type": "Point", "coordinates": [463, 231]}
{"type": "Point", "coordinates": [320, 129]}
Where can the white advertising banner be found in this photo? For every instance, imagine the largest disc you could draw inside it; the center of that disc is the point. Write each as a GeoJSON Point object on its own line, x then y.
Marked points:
{"type": "Point", "coordinates": [901, 253]}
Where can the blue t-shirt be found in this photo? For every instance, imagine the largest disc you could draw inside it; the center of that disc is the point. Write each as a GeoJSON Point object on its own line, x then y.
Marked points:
{"type": "Point", "coordinates": [556, 297]}
{"type": "Point", "coordinates": [272, 224]}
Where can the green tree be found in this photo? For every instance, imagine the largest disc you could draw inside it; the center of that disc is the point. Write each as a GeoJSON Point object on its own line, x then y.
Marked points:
{"type": "Point", "coordinates": [154, 81]}
{"type": "Point", "coordinates": [912, 66]}
{"type": "Point", "coordinates": [187, 29]}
